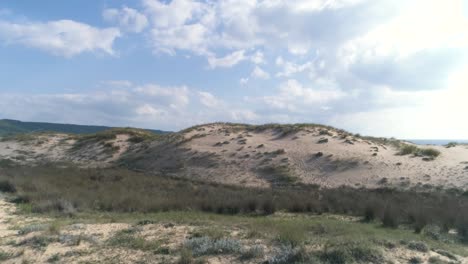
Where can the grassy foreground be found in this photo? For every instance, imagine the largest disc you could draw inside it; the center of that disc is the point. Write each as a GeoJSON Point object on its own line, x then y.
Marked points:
{"type": "Point", "coordinates": [87, 216]}
{"type": "Point", "coordinates": [198, 237]}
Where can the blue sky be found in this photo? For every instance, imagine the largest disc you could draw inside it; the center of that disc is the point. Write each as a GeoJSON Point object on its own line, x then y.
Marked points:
{"type": "Point", "coordinates": [382, 68]}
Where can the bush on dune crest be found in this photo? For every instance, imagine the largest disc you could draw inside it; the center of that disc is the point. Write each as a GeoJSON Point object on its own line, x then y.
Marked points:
{"type": "Point", "coordinates": [406, 149]}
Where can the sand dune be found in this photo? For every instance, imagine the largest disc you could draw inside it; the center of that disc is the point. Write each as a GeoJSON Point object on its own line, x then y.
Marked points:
{"type": "Point", "coordinates": [256, 156]}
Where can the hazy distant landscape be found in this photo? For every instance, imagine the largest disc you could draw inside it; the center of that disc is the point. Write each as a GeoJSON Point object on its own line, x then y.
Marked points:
{"type": "Point", "coordinates": [437, 141]}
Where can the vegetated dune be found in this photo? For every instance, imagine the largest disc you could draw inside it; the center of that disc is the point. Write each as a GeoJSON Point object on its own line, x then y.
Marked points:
{"type": "Point", "coordinates": [259, 156]}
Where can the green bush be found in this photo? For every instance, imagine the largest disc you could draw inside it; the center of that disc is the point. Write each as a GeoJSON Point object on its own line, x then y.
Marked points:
{"type": "Point", "coordinates": [5, 255]}
{"type": "Point", "coordinates": [6, 186]}
{"type": "Point", "coordinates": [200, 246]}
{"type": "Point", "coordinates": [350, 253]}
{"type": "Point", "coordinates": [418, 246]}
{"type": "Point", "coordinates": [252, 253]}
{"type": "Point", "coordinates": [407, 149]}
{"type": "Point", "coordinates": [127, 239]}
{"type": "Point", "coordinates": [287, 254]}
{"type": "Point", "coordinates": [390, 217]}
{"type": "Point", "coordinates": [430, 152]}
{"type": "Point", "coordinates": [415, 260]}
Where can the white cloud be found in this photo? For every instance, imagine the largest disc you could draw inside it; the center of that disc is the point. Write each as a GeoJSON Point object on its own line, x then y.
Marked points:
{"type": "Point", "coordinates": [319, 5]}
{"type": "Point", "coordinates": [227, 61]}
{"type": "Point", "coordinates": [180, 25]}
{"type": "Point", "coordinates": [279, 61]}
{"type": "Point", "coordinates": [62, 37]}
{"type": "Point", "coordinates": [260, 74]}
{"type": "Point", "coordinates": [293, 89]}
{"type": "Point", "coordinates": [209, 100]}
{"type": "Point", "coordinates": [117, 83]}
{"type": "Point", "coordinates": [244, 115]}
{"type": "Point", "coordinates": [127, 18]}
{"type": "Point", "coordinates": [147, 109]}
{"type": "Point", "coordinates": [244, 81]}
{"type": "Point", "coordinates": [292, 96]}
{"type": "Point", "coordinates": [258, 58]}
{"type": "Point", "coordinates": [290, 68]}
{"type": "Point", "coordinates": [206, 27]}
{"type": "Point", "coordinates": [174, 13]}
{"type": "Point", "coordinates": [435, 114]}
{"type": "Point", "coordinates": [175, 97]}
{"type": "Point", "coordinates": [419, 27]}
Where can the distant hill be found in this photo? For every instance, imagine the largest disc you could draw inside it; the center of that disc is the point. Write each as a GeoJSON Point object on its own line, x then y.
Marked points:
{"type": "Point", "coordinates": [12, 127]}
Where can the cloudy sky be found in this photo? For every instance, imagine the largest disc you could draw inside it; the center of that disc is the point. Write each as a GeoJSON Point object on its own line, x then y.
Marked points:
{"type": "Point", "coordinates": [376, 67]}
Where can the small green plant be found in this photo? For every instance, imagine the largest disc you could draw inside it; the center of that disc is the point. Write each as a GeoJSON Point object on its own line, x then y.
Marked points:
{"type": "Point", "coordinates": [429, 152]}
{"type": "Point", "coordinates": [252, 252]}
{"type": "Point", "coordinates": [407, 149]}
{"type": "Point", "coordinates": [186, 257]}
{"type": "Point", "coordinates": [6, 163]}
{"type": "Point", "coordinates": [350, 253]}
{"type": "Point", "coordinates": [54, 258]}
{"type": "Point", "coordinates": [6, 186]}
{"type": "Point", "coordinates": [37, 242]}
{"type": "Point", "coordinates": [32, 228]}
{"type": "Point", "coordinates": [291, 235]}
{"type": "Point", "coordinates": [287, 254]}
{"type": "Point", "coordinates": [390, 217]}
{"type": "Point", "coordinates": [436, 260]}
{"type": "Point", "coordinates": [127, 239]}
{"type": "Point", "coordinates": [322, 141]}
{"type": "Point", "coordinates": [208, 246]}
{"type": "Point", "coordinates": [415, 260]}
{"type": "Point", "coordinates": [418, 246]}
{"type": "Point", "coordinates": [451, 144]}
{"type": "Point", "coordinates": [4, 255]}
{"type": "Point", "coordinates": [445, 254]}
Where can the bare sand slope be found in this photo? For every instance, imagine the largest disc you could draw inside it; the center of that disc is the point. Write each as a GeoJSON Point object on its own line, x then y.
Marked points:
{"type": "Point", "coordinates": [314, 155]}
{"type": "Point", "coordinates": [246, 155]}
{"type": "Point", "coordinates": [64, 148]}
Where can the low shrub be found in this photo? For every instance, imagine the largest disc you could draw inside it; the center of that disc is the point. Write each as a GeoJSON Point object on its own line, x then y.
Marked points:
{"type": "Point", "coordinates": [32, 228]}
{"type": "Point", "coordinates": [407, 149]}
{"type": "Point", "coordinates": [445, 254]}
{"type": "Point", "coordinates": [200, 246]}
{"type": "Point", "coordinates": [451, 145]}
{"type": "Point", "coordinates": [437, 260]}
{"type": "Point", "coordinates": [7, 187]}
{"type": "Point", "coordinates": [186, 257]}
{"type": "Point", "coordinates": [430, 152]}
{"type": "Point", "coordinates": [252, 252]}
{"type": "Point", "coordinates": [390, 217]}
{"type": "Point", "coordinates": [415, 260]}
{"type": "Point", "coordinates": [5, 256]}
{"type": "Point", "coordinates": [350, 253]}
{"type": "Point", "coordinates": [287, 254]}
{"type": "Point", "coordinates": [127, 239]}
{"type": "Point", "coordinates": [418, 246]}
